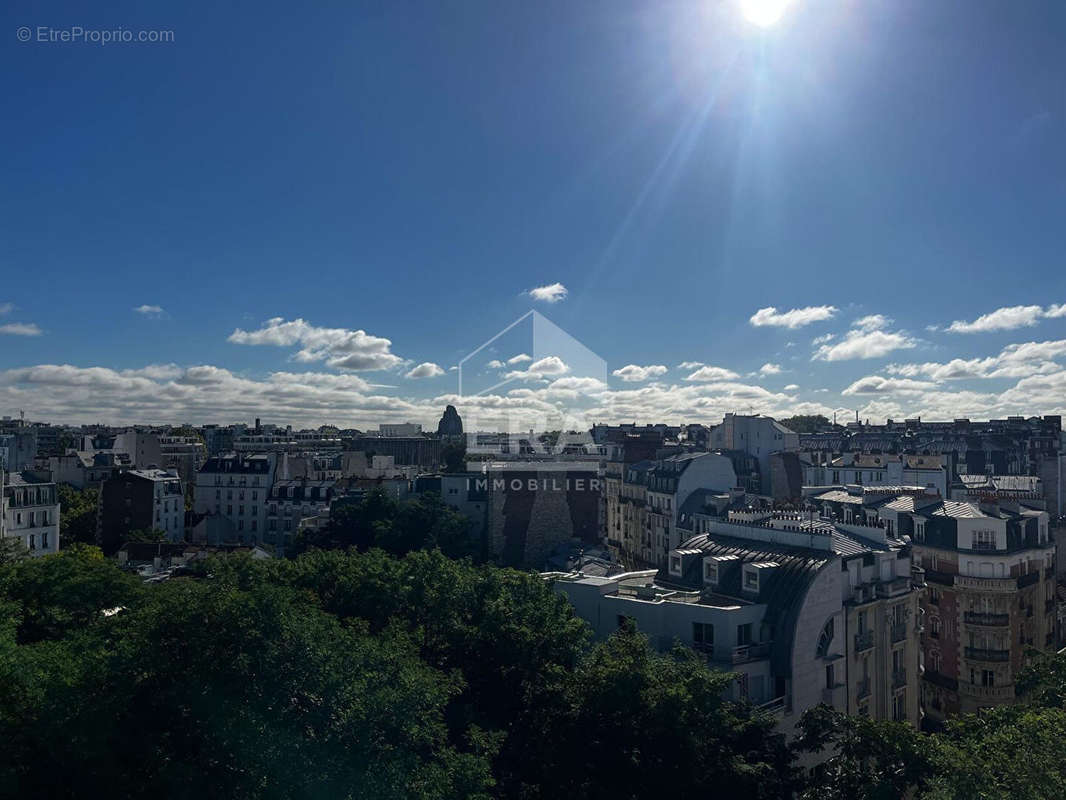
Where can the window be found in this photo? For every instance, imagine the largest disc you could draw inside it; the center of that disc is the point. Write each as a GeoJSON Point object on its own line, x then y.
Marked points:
{"type": "Point", "coordinates": [751, 580]}
{"type": "Point", "coordinates": [675, 564]}
{"type": "Point", "coordinates": [934, 596]}
{"type": "Point", "coordinates": [33, 542]}
{"type": "Point", "coordinates": [899, 707]}
{"type": "Point", "coordinates": [984, 540]}
{"type": "Point", "coordinates": [988, 678]}
{"type": "Point", "coordinates": [934, 660]}
{"type": "Point", "coordinates": [710, 572]}
{"type": "Point", "coordinates": [744, 634]}
{"type": "Point", "coordinates": [934, 627]}
{"type": "Point", "coordinates": [44, 541]}
{"type": "Point", "coordinates": [830, 679]}
{"type": "Point", "coordinates": [825, 638]}
{"type": "Point", "coordinates": [703, 635]}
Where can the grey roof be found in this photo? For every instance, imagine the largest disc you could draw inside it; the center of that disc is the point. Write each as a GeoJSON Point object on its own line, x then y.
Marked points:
{"type": "Point", "coordinates": [782, 592]}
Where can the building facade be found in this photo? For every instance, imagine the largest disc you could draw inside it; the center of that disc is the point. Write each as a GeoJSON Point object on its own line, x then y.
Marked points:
{"type": "Point", "coordinates": [30, 512]}
{"type": "Point", "coordinates": [140, 500]}
{"type": "Point", "coordinates": [236, 488]}
{"type": "Point", "coordinates": [805, 611]}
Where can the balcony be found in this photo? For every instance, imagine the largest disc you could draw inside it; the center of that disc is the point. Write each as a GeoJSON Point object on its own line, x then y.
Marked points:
{"type": "Point", "coordinates": [941, 680]}
{"type": "Point", "coordinates": [986, 692]}
{"type": "Point", "coordinates": [986, 619]}
{"type": "Point", "coordinates": [899, 678]}
{"type": "Point", "coordinates": [777, 706]}
{"type": "Point", "coordinates": [898, 632]}
{"type": "Point", "coordinates": [864, 689]}
{"type": "Point", "coordinates": [986, 654]}
{"type": "Point", "coordinates": [748, 652]}
{"type": "Point", "coordinates": [989, 584]}
{"type": "Point", "coordinates": [893, 588]}
{"type": "Point", "coordinates": [864, 641]}
{"type": "Point", "coordinates": [939, 578]}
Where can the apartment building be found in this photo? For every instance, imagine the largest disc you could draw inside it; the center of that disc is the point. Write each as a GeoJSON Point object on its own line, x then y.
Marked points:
{"type": "Point", "coordinates": [990, 570]}
{"type": "Point", "coordinates": [803, 610]}
{"type": "Point", "coordinates": [642, 509]}
{"type": "Point", "coordinates": [29, 511]}
{"type": "Point", "coordinates": [235, 487]}
{"type": "Point", "coordinates": [756, 435]}
{"type": "Point", "coordinates": [876, 469]}
{"type": "Point", "coordinates": [140, 500]}
{"type": "Point", "coordinates": [290, 501]}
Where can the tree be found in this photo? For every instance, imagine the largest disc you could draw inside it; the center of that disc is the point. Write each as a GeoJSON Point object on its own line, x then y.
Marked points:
{"type": "Point", "coordinates": [868, 759]}
{"type": "Point", "coordinates": [453, 456]}
{"type": "Point", "coordinates": [77, 514]}
{"type": "Point", "coordinates": [146, 535]}
{"type": "Point", "coordinates": [65, 592]}
{"type": "Point", "coordinates": [204, 690]}
{"type": "Point", "coordinates": [807, 423]}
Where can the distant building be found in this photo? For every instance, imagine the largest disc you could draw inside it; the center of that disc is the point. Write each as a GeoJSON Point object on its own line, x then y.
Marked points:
{"type": "Point", "coordinates": [532, 508]}
{"type": "Point", "coordinates": [405, 450]}
{"type": "Point", "coordinates": [84, 469]}
{"type": "Point", "coordinates": [757, 436]}
{"type": "Point", "coordinates": [642, 517]}
{"type": "Point", "coordinates": [18, 447]}
{"type": "Point", "coordinates": [236, 486]}
{"type": "Point", "coordinates": [451, 424]}
{"type": "Point", "coordinates": [400, 429]}
{"type": "Point", "coordinates": [876, 469]}
{"type": "Point", "coordinates": [30, 511]}
{"type": "Point", "coordinates": [291, 501]}
{"type": "Point", "coordinates": [140, 500]}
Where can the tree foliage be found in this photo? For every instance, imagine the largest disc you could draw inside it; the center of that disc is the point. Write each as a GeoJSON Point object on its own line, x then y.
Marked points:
{"type": "Point", "coordinates": [397, 527]}
{"type": "Point", "coordinates": [77, 514]}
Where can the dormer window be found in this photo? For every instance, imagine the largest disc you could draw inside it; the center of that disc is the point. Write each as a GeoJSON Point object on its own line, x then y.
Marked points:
{"type": "Point", "coordinates": [710, 572]}
{"type": "Point", "coordinates": [751, 580]}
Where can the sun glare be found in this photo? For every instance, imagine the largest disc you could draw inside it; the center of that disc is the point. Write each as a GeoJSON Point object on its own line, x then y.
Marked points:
{"type": "Point", "coordinates": [763, 13]}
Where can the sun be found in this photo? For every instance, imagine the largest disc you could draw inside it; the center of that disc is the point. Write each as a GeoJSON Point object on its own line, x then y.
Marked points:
{"type": "Point", "coordinates": [763, 13]}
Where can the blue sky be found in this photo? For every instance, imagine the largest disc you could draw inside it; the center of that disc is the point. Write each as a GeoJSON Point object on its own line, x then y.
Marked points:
{"type": "Point", "coordinates": [413, 170]}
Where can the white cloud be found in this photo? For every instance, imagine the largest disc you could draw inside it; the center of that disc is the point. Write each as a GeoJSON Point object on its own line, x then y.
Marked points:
{"type": "Point", "coordinates": [770, 369]}
{"type": "Point", "coordinates": [633, 373]}
{"type": "Point", "coordinates": [519, 359]}
{"type": "Point", "coordinates": [796, 318]}
{"type": "Point", "coordinates": [708, 374]}
{"type": "Point", "coordinates": [495, 364]}
{"type": "Point", "coordinates": [149, 311]}
{"type": "Point", "coordinates": [338, 347]}
{"type": "Point", "coordinates": [858, 343]}
{"type": "Point", "coordinates": [1055, 311]}
{"type": "Point", "coordinates": [552, 293]}
{"type": "Point", "coordinates": [690, 364]}
{"type": "Point", "coordinates": [828, 337]}
{"type": "Point", "coordinates": [1014, 361]}
{"type": "Point", "coordinates": [875, 384]}
{"type": "Point", "coordinates": [792, 387]}
{"type": "Point", "coordinates": [541, 369]}
{"type": "Point", "coordinates": [21, 329]}
{"type": "Point", "coordinates": [427, 369]}
{"type": "Point", "coordinates": [872, 322]}
{"type": "Point", "coordinates": [1005, 319]}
